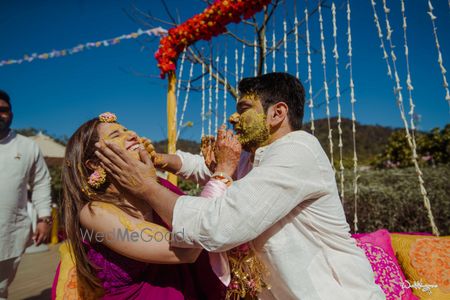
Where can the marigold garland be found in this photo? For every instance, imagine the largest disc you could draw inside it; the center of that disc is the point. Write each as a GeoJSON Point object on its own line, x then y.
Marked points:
{"type": "Point", "coordinates": [211, 22]}
{"type": "Point", "coordinates": [247, 274]}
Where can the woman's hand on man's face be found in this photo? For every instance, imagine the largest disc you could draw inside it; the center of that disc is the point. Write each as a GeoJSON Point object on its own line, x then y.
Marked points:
{"type": "Point", "coordinates": [207, 148]}
{"type": "Point", "coordinates": [132, 175]}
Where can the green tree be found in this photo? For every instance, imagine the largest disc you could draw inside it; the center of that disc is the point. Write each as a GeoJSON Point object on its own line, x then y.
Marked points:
{"type": "Point", "coordinates": [432, 148]}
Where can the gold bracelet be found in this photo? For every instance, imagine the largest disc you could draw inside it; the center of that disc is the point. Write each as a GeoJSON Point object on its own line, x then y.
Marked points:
{"type": "Point", "coordinates": [47, 220]}
{"type": "Point", "coordinates": [223, 177]}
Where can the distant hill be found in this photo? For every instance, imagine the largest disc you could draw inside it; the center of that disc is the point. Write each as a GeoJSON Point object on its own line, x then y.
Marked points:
{"type": "Point", "coordinates": [370, 140]}
{"type": "Point", "coordinates": [184, 145]}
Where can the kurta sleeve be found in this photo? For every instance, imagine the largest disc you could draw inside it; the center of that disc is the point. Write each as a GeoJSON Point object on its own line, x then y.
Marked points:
{"type": "Point", "coordinates": [193, 167]}
{"type": "Point", "coordinates": [40, 184]}
{"type": "Point", "coordinates": [287, 174]}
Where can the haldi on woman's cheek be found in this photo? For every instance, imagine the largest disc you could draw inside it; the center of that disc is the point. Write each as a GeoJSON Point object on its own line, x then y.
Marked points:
{"type": "Point", "coordinates": [120, 136]}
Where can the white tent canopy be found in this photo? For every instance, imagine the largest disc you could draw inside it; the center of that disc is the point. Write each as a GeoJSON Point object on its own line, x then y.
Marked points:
{"type": "Point", "coordinates": [48, 146]}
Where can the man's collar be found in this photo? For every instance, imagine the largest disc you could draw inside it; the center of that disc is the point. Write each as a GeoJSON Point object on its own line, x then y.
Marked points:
{"type": "Point", "coordinates": [263, 148]}
{"type": "Point", "coordinates": [8, 137]}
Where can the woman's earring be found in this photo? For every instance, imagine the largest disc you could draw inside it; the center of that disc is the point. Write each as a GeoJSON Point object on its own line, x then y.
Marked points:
{"type": "Point", "coordinates": [98, 178]}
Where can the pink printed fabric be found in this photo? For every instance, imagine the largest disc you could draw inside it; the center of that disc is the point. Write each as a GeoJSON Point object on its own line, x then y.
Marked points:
{"type": "Point", "coordinates": [213, 189]}
{"type": "Point", "coordinates": [218, 261]}
{"type": "Point", "coordinates": [388, 273]}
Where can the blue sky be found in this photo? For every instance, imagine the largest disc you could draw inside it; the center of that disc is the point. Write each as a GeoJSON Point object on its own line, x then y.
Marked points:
{"type": "Point", "coordinates": [60, 94]}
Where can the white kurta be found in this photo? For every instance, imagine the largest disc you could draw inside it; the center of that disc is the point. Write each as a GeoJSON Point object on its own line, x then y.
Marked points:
{"type": "Point", "coordinates": [289, 208]}
{"type": "Point", "coordinates": [21, 165]}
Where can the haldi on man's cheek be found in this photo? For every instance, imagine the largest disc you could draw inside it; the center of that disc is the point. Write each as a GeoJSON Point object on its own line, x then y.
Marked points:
{"type": "Point", "coordinates": [252, 127]}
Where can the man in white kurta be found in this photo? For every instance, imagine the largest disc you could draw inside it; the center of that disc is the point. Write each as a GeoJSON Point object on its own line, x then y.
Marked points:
{"type": "Point", "coordinates": [21, 165]}
{"type": "Point", "coordinates": [289, 208]}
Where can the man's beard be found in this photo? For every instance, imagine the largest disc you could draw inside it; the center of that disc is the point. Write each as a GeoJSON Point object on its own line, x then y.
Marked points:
{"type": "Point", "coordinates": [252, 131]}
{"type": "Point", "coordinates": [4, 125]}
{"type": "Point", "coordinates": [254, 137]}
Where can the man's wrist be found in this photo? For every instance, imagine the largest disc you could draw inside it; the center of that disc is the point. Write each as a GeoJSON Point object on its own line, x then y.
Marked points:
{"type": "Point", "coordinates": [47, 220]}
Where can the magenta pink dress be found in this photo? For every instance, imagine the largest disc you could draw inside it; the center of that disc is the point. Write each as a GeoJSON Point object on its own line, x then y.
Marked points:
{"type": "Point", "coordinates": [125, 278]}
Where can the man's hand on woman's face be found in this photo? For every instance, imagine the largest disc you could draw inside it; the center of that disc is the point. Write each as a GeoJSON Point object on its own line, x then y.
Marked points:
{"type": "Point", "coordinates": [227, 151]}
{"type": "Point", "coordinates": [130, 174]}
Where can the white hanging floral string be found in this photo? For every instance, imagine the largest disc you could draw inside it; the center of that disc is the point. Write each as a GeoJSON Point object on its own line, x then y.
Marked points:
{"type": "Point", "coordinates": [338, 99]}
{"type": "Point", "coordinates": [225, 90]}
{"type": "Point", "coordinates": [297, 58]}
{"type": "Point", "coordinates": [185, 102]}
{"type": "Point", "coordinates": [353, 101]}
{"type": "Point", "coordinates": [274, 50]}
{"type": "Point", "coordinates": [180, 73]}
{"type": "Point", "coordinates": [265, 52]}
{"type": "Point", "coordinates": [179, 79]}
{"type": "Point", "coordinates": [285, 45]}
{"type": "Point", "coordinates": [236, 66]}
{"type": "Point", "coordinates": [216, 104]}
{"type": "Point", "coordinates": [242, 61]}
{"type": "Point", "coordinates": [398, 93]}
{"type": "Point", "coordinates": [203, 100]}
{"type": "Point", "coordinates": [210, 88]}
{"type": "Point", "coordinates": [438, 48]}
{"type": "Point", "coordinates": [409, 85]}
{"type": "Point", "coordinates": [255, 57]}
{"type": "Point", "coordinates": [325, 85]}
{"type": "Point", "coordinates": [380, 36]}
{"type": "Point", "coordinates": [310, 90]}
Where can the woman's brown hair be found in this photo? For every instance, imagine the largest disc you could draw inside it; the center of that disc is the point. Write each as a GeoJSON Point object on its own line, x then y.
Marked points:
{"type": "Point", "coordinates": [76, 194]}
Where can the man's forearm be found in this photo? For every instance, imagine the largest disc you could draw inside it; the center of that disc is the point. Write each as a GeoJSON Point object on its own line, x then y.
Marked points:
{"type": "Point", "coordinates": [161, 200]}
{"type": "Point", "coordinates": [168, 162]}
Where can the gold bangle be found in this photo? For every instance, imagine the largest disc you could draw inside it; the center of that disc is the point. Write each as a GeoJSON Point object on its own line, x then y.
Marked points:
{"type": "Point", "coordinates": [47, 220]}
{"type": "Point", "coordinates": [223, 177]}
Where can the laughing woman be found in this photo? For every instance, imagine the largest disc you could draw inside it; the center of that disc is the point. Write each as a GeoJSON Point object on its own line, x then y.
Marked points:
{"type": "Point", "coordinates": [120, 248]}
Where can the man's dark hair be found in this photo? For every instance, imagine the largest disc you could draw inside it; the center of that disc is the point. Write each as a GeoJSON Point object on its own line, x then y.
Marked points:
{"type": "Point", "coordinates": [278, 87]}
{"type": "Point", "coordinates": [5, 97]}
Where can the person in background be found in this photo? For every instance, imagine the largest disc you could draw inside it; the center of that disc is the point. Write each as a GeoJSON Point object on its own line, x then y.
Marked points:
{"type": "Point", "coordinates": [22, 166]}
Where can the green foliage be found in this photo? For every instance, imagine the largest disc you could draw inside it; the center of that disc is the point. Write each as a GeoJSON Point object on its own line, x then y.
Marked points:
{"type": "Point", "coordinates": [391, 199]}
{"type": "Point", "coordinates": [370, 140]}
{"type": "Point", "coordinates": [189, 187]}
{"type": "Point", "coordinates": [432, 148]}
{"type": "Point", "coordinates": [55, 173]}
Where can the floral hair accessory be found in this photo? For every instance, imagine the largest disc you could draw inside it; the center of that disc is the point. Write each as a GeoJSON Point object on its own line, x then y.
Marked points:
{"type": "Point", "coordinates": [97, 179]}
{"type": "Point", "coordinates": [107, 117]}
